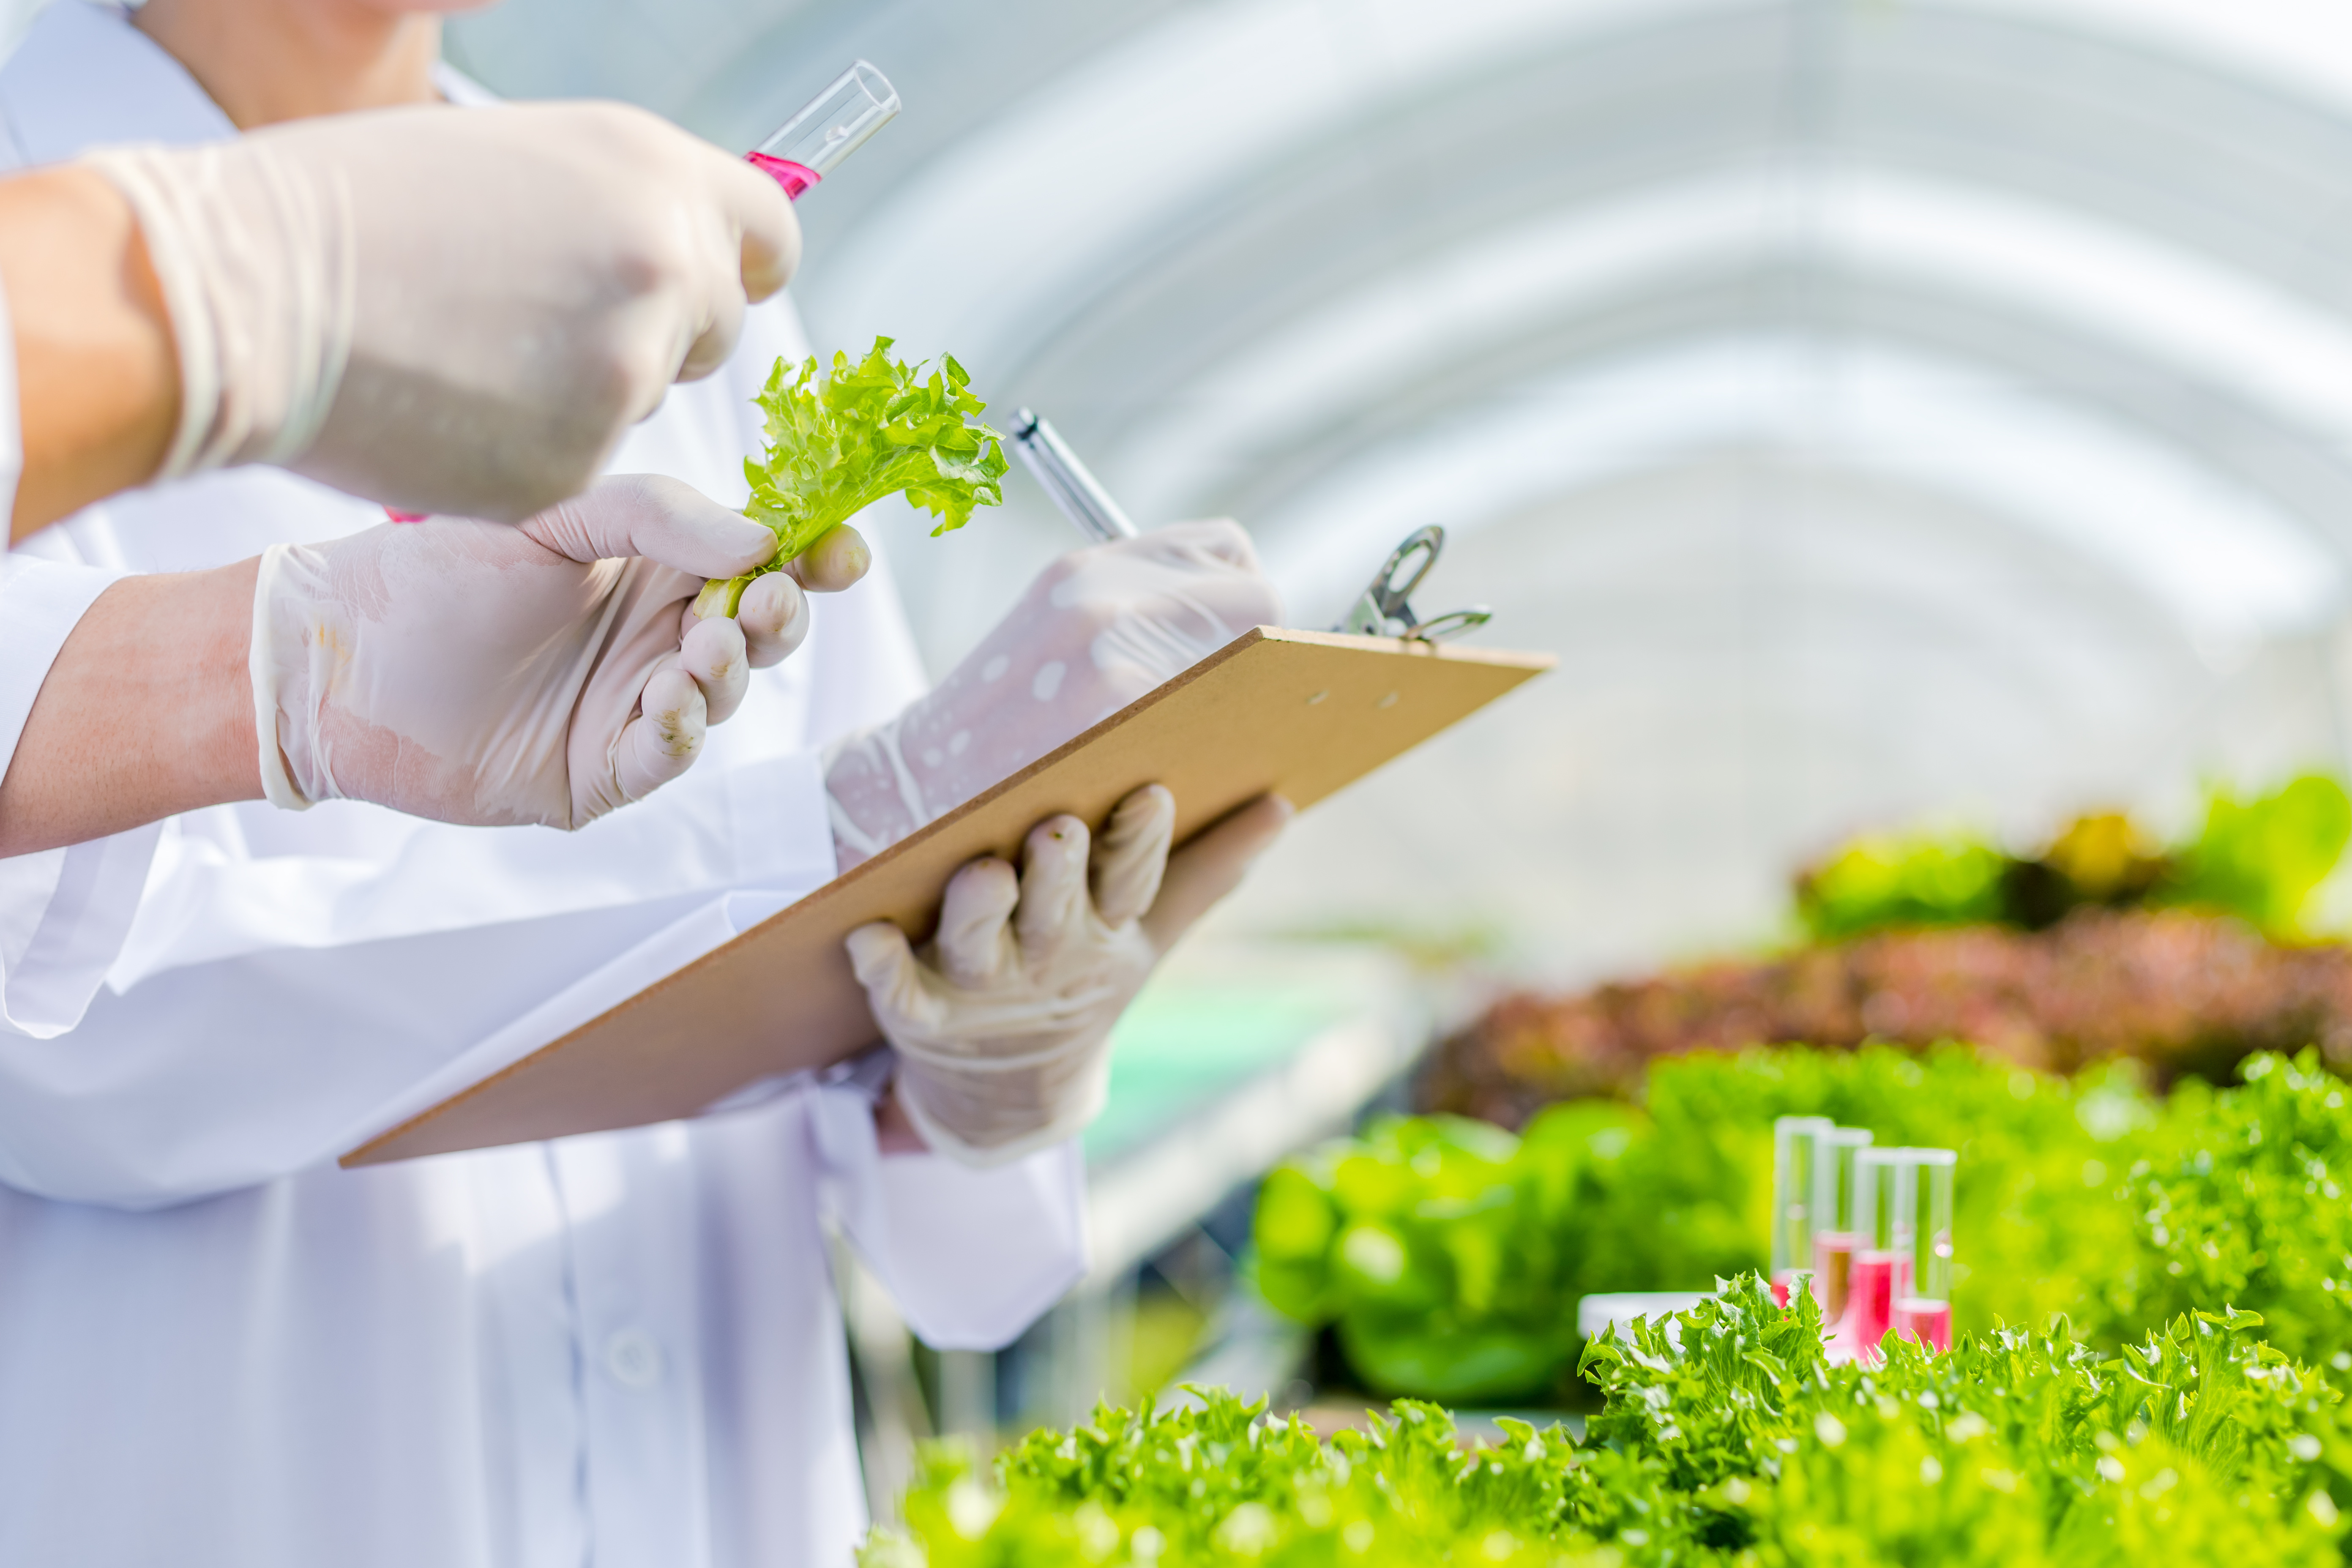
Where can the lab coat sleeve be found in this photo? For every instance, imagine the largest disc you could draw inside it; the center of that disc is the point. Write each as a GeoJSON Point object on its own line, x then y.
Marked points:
{"type": "Point", "coordinates": [63, 913]}
{"type": "Point", "coordinates": [971, 1256]}
{"type": "Point", "coordinates": [216, 1073]}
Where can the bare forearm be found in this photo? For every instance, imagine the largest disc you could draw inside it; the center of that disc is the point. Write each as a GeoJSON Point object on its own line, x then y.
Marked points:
{"type": "Point", "coordinates": [147, 712]}
{"type": "Point", "coordinates": [97, 380]}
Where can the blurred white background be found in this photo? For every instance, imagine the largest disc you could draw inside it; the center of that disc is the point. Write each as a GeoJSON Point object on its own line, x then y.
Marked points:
{"type": "Point", "coordinates": [1881, 407]}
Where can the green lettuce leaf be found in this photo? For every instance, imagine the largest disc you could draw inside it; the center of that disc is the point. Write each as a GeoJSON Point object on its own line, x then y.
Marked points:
{"type": "Point", "coordinates": [840, 440]}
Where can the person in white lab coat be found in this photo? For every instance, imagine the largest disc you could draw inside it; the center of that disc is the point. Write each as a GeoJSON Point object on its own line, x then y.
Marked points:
{"type": "Point", "coordinates": [216, 1348]}
{"type": "Point", "coordinates": [175, 311]}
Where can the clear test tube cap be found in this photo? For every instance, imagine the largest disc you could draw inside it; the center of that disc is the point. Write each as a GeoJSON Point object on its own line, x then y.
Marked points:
{"type": "Point", "coordinates": [834, 123]}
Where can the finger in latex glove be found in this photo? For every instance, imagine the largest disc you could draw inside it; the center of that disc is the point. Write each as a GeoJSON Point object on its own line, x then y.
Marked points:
{"type": "Point", "coordinates": [1003, 1020]}
{"type": "Point", "coordinates": [1098, 629]}
{"type": "Point", "coordinates": [448, 310]}
{"type": "Point", "coordinates": [771, 613]}
{"type": "Point", "coordinates": [477, 673]}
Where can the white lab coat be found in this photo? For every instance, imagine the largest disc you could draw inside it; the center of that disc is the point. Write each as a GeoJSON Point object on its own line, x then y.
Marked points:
{"type": "Point", "coordinates": [218, 1349]}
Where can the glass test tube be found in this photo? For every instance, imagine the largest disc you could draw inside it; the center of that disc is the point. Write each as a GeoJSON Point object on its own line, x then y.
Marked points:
{"type": "Point", "coordinates": [1886, 1207]}
{"type": "Point", "coordinates": [1836, 1230]}
{"type": "Point", "coordinates": [810, 145]}
{"type": "Point", "coordinates": [1794, 1143]}
{"type": "Point", "coordinates": [1922, 1310]}
{"type": "Point", "coordinates": [834, 124]}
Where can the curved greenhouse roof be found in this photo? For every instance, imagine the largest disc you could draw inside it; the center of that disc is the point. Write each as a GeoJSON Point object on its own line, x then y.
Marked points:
{"type": "Point", "coordinates": [1881, 407]}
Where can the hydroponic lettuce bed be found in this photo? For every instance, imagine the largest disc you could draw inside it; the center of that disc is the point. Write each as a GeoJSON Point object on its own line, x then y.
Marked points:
{"type": "Point", "coordinates": [2189, 995]}
{"type": "Point", "coordinates": [1449, 1255]}
{"type": "Point", "coordinates": [2153, 1293]}
{"type": "Point", "coordinates": [2157, 1420]}
{"type": "Point", "coordinates": [2101, 944]}
{"type": "Point", "coordinates": [1726, 1439]}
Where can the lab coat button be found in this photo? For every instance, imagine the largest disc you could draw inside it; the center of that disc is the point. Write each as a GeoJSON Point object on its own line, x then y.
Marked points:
{"type": "Point", "coordinates": [632, 1358]}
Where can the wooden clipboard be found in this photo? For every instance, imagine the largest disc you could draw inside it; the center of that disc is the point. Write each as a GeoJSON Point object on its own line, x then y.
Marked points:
{"type": "Point", "coordinates": [1303, 713]}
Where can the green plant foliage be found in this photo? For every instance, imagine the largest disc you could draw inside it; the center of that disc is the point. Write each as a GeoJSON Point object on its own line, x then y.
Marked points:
{"type": "Point", "coordinates": [839, 441]}
{"type": "Point", "coordinates": [1438, 1246]}
{"type": "Point", "coordinates": [1726, 1439]}
{"type": "Point", "coordinates": [2238, 1195]}
{"type": "Point", "coordinates": [2259, 859]}
{"type": "Point", "coordinates": [2039, 1161]}
{"type": "Point", "coordinates": [1909, 880]}
{"type": "Point", "coordinates": [1451, 1257]}
{"type": "Point", "coordinates": [1224, 1484]}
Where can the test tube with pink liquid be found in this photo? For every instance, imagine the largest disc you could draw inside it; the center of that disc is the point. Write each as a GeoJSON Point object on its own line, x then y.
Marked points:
{"type": "Point", "coordinates": [809, 146]}
{"type": "Point", "coordinates": [827, 128]}
{"type": "Point", "coordinates": [1901, 1229]}
{"type": "Point", "coordinates": [1794, 1140]}
{"type": "Point", "coordinates": [1923, 1312]}
{"type": "Point", "coordinates": [1836, 1225]}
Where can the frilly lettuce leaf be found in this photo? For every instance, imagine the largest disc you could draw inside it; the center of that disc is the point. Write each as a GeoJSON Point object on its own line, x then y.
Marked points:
{"type": "Point", "coordinates": [840, 440]}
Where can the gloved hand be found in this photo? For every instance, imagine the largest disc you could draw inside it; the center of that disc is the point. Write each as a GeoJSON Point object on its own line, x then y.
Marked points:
{"type": "Point", "coordinates": [1098, 629]}
{"type": "Point", "coordinates": [454, 311]}
{"type": "Point", "coordinates": [1001, 1021]}
{"type": "Point", "coordinates": [477, 673]}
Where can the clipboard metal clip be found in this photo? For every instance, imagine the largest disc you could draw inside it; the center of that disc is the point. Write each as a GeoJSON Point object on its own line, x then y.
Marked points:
{"type": "Point", "coordinates": [1381, 610]}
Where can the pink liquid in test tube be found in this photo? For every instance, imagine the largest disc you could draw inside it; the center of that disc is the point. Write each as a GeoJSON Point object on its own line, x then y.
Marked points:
{"type": "Point", "coordinates": [826, 130]}
{"type": "Point", "coordinates": [1873, 1305]}
{"type": "Point", "coordinates": [794, 177]}
{"type": "Point", "coordinates": [810, 145]}
{"type": "Point", "coordinates": [1781, 1282]}
{"type": "Point", "coordinates": [1924, 1321]}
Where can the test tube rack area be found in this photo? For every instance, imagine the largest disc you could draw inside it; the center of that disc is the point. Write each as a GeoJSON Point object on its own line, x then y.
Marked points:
{"type": "Point", "coordinates": [1868, 1230]}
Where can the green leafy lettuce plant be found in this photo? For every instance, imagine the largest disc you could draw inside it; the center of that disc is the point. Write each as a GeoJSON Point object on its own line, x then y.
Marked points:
{"type": "Point", "coordinates": [2238, 1194]}
{"type": "Point", "coordinates": [2258, 859]}
{"type": "Point", "coordinates": [1450, 1257]}
{"type": "Point", "coordinates": [1902, 880]}
{"type": "Point", "coordinates": [1726, 1439]}
{"type": "Point", "coordinates": [840, 440]}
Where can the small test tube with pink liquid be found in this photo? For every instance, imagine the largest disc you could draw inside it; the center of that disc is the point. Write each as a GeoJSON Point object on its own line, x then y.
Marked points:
{"type": "Point", "coordinates": [1923, 1312]}
{"type": "Point", "coordinates": [1892, 1291]}
{"type": "Point", "coordinates": [1794, 1143]}
{"type": "Point", "coordinates": [1836, 1227]}
{"type": "Point", "coordinates": [1883, 1180]}
{"type": "Point", "coordinates": [807, 147]}
{"type": "Point", "coordinates": [827, 128]}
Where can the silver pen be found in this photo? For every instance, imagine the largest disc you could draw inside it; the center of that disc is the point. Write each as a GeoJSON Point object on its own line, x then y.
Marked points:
{"type": "Point", "coordinates": [1077, 493]}
{"type": "Point", "coordinates": [1380, 611]}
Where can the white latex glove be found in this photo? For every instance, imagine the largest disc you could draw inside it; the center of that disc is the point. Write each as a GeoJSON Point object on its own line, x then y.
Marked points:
{"type": "Point", "coordinates": [477, 673]}
{"type": "Point", "coordinates": [445, 310]}
{"type": "Point", "coordinates": [1001, 1021]}
{"type": "Point", "coordinates": [1098, 629]}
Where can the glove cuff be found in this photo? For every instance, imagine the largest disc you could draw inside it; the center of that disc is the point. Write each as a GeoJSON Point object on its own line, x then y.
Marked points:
{"type": "Point", "coordinates": [267, 671]}
{"type": "Point", "coordinates": [258, 267]}
{"type": "Point", "coordinates": [999, 1145]}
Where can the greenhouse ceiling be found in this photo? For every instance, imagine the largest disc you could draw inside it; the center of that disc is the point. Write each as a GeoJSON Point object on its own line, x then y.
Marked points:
{"type": "Point", "coordinates": [2055, 290]}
